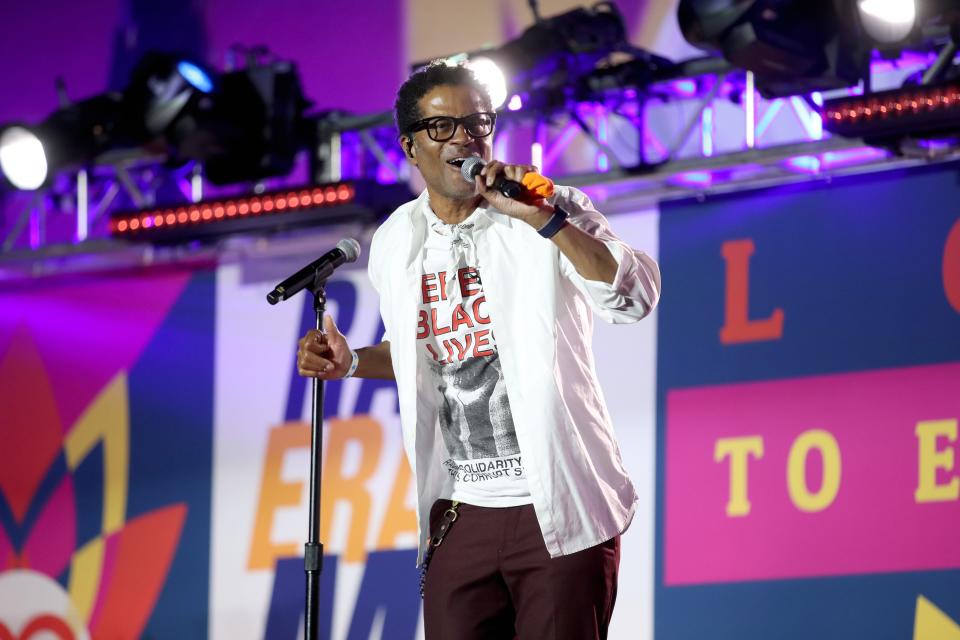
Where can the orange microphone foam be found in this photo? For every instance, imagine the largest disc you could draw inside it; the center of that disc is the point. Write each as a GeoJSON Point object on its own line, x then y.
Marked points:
{"type": "Point", "coordinates": [535, 188]}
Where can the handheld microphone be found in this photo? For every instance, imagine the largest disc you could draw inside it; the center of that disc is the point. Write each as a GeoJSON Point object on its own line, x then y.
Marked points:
{"type": "Point", "coordinates": [530, 190]}
{"type": "Point", "coordinates": [471, 168]}
{"type": "Point", "coordinates": [347, 250]}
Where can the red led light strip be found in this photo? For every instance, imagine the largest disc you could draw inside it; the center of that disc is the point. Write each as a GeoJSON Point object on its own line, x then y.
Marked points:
{"type": "Point", "coordinates": [920, 101]}
{"type": "Point", "coordinates": [234, 208]}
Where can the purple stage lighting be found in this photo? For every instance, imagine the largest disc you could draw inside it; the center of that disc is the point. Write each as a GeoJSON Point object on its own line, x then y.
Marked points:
{"type": "Point", "coordinates": [694, 179]}
{"type": "Point", "coordinates": [804, 164]}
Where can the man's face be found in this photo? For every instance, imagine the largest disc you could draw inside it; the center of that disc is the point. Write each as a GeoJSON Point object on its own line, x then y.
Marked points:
{"type": "Point", "coordinates": [433, 158]}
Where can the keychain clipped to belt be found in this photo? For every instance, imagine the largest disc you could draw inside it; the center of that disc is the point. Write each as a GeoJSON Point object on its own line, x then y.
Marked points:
{"type": "Point", "coordinates": [449, 517]}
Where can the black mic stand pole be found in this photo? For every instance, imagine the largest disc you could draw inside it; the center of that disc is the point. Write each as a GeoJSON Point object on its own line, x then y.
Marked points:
{"type": "Point", "coordinates": [313, 549]}
{"type": "Point", "coordinates": [347, 251]}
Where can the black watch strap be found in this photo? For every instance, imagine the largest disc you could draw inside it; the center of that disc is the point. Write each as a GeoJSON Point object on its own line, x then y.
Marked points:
{"type": "Point", "coordinates": [554, 224]}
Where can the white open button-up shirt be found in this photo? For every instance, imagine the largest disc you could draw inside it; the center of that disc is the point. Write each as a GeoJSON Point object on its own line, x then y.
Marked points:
{"type": "Point", "coordinates": [540, 309]}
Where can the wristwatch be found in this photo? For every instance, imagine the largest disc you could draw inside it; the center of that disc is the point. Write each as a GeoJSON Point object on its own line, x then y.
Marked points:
{"type": "Point", "coordinates": [554, 224]}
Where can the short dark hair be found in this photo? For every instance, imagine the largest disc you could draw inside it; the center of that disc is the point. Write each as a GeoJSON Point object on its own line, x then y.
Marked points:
{"type": "Point", "coordinates": [406, 109]}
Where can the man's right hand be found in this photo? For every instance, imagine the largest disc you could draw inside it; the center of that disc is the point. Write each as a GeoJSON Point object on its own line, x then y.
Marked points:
{"type": "Point", "coordinates": [324, 355]}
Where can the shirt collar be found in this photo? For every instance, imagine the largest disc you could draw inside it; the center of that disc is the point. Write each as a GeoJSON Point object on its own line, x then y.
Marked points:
{"type": "Point", "coordinates": [487, 214]}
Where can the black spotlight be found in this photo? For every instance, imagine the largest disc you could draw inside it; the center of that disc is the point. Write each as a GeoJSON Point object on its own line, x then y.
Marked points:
{"type": "Point", "coordinates": [559, 49]}
{"type": "Point", "coordinates": [243, 125]}
{"type": "Point", "coordinates": [551, 54]}
{"type": "Point", "coordinates": [31, 155]}
{"type": "Point", "coordinates": [791, 46]}
{"type": "Point", "coordinates": [895, 24]}
{"type": "Point", "coordinates": [887, 22]}
{"type": "Point", "coordinates": [251, 129]}
{"type": "Point", "coordinates": [164, 90]}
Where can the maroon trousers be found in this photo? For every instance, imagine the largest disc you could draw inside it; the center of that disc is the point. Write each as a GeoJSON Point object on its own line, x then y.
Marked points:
{"type": "Point", "coordinates": [493, 578]}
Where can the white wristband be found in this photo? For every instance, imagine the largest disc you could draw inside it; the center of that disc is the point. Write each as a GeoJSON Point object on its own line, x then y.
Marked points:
{"type": "Point", "coordinates": [353, 364]}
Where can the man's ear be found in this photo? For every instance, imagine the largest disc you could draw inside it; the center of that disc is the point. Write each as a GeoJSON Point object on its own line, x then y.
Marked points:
{"type": "Point", "coordinates": [406, 142]}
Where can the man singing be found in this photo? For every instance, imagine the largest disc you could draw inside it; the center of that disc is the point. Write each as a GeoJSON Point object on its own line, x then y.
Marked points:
{"type": "Point", "coordinates": [487, 304]}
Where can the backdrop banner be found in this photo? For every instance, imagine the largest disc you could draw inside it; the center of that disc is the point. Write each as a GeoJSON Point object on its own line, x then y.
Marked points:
{"type": "Point", "coordinates": [809, 393]}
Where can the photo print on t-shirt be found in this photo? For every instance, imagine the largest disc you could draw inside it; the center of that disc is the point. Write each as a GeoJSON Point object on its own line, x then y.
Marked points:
{"type": "Point", "coordinates": [475, 415]}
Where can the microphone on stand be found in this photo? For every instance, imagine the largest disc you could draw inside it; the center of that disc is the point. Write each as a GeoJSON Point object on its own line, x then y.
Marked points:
{"type": "Point", "coordinates": [347, 250]}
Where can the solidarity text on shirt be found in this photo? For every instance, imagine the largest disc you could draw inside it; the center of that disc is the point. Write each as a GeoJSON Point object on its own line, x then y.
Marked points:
{"type": "Point", "coordinates": [480, 470]}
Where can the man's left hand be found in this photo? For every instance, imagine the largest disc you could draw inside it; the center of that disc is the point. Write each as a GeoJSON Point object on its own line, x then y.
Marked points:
{"type": "Point", "coordinates": [536, 214]}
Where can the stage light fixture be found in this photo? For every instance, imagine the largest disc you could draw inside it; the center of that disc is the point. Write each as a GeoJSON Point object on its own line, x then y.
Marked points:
{"type": "Point", "coordinates": [887, 117]}
{"type": "Point", "coordinates": [213, 211]}
{"type": "Point", "coordinates": [244, 125]}
{"type": "Point", "coordinates": [552, 54]}
{"type": "Point", "coordinates": [250, 128]}
{"type": "Point", "coordinates": [197, 77]}
{"type": "Point", "coordinates": [490, 75]}
{"type": "Point", "coordinates": [792, 46]}
{"type": "Point", "coordinates": [887, 21]}
{"type": "Point", "coordinates": [160, 91]}
{"type": "Point", "coordinates": [305, 206]}
{"type": "Point", "coordinates": [486, 71]}
{"type": "Point", "coordinates": [30, 155]}
{"type": "Point", "coordinates": [556, 51]}
{"type": "Point", "coordinates": [163, 91]}
{"type": "Point", "coordinates": [899, 24]}
{"type": "Point", "coordinates": [22, 160]}
{"type": "Point", "coordinates": [924, 114]}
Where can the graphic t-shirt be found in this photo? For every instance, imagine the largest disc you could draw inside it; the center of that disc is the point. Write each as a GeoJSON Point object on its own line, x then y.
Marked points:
{"type": "Point", "coordinates": [455, 337]}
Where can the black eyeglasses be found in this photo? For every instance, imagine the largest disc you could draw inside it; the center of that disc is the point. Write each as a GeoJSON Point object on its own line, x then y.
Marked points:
{"type": "Point", "coordinates": [442, 128]}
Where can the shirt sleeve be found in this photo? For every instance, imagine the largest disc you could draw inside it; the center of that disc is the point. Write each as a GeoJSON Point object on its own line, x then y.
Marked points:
{"type": "Point", "coordinates": [635, 289]}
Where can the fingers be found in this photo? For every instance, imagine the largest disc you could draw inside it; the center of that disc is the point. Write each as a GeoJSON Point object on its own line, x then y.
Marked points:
{"type": "Point", "coordinates": [490, 172]}
{"type": "Point", "coordinates": [313, 355]}
{"type": "Point", "coordinates": [513, 172]}
{"type": "Point", "coordinates": [313, 342]}
{"type": "Point", "coordinates": [330, 327]}
{"type": "Point", "coordinates": [321, 354]}
{"type": "Point", "coordinates": [516, 171]}
{"type": "Point", "coordinates": [480, 183]}
{"type": "Point", "coordinates": [312, 365]}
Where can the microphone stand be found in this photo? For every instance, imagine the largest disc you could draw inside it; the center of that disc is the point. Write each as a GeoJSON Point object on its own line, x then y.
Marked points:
{"type": "Point", "coordinates": [313, 549]}
{"type": "Point", "coordinates": [314, 278]}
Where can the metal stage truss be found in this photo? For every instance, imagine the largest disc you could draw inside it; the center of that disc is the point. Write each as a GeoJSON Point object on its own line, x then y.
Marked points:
{"type": "Point", "coordinates": [706, 131]}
